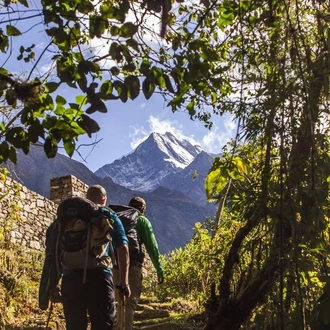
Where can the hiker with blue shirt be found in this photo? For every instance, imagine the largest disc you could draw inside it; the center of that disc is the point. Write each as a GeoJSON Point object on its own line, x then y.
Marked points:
{"type": "Point", "coordinates": [142, 234]}
{"type": "Point", "coordinates": [92, 293]}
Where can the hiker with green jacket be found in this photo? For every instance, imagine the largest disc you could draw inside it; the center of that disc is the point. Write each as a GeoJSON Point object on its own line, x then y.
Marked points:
{"type": "Point", "coordinates": [144, 236]}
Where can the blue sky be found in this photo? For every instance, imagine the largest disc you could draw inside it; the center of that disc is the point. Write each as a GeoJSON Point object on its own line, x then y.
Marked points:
{"type": "Point", "coordinates": [126, 124]}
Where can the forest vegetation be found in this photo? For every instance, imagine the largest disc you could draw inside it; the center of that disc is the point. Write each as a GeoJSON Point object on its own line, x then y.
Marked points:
{"type": "Point", "coordinates": [263, 262]}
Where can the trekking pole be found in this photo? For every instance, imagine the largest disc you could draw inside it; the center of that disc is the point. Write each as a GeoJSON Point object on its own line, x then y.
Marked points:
{"type": "Point", "coordinates": [49, 314]}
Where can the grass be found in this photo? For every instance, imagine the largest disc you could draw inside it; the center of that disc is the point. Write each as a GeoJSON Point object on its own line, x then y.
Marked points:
{"type": "Point", "coordinates": [20, 271]}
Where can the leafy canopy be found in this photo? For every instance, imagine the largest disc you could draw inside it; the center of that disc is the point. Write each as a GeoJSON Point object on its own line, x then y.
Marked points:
{"type": "Point", "coordinates": [182, 62]}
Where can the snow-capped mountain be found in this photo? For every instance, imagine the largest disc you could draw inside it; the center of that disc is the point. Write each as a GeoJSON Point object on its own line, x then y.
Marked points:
{"type": "Point", "coordinates": [155, 158]}
{"type": "Point", "coordinates": [190, 180]}
{"type": "Point", "coordinates": [172, 212]}
{"type": "Point", "coordinates": [176, 169]}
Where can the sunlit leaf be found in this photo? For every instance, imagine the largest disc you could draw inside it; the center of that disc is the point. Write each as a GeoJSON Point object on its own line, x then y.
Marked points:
{"type": "Point", "coordinates": [12, 31]}
{"type": "Point", "coordinates": [51, 87]}
{"type": "Point", "coordinates": [69, 146]}
{"type": "Point", "coordinates": [148, 88]}
{"type": "Point", "coordinates": [133, 85]}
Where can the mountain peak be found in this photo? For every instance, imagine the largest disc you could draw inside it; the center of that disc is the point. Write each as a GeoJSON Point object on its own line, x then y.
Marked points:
{"type": "Point", "coordinates": [153, 159]}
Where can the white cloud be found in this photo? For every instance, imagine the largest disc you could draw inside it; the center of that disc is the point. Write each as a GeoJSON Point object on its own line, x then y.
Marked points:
{"type": "Point", "coordinates": [212, 141]}
{"type": "Point", "coordinates": [217, 137]}
{"type": "Point", "coordinates": [156, 125]}
{"type": "Point", "coordinates": [137, 136]}
{"type": "Point", "coordinates": [174, 127]}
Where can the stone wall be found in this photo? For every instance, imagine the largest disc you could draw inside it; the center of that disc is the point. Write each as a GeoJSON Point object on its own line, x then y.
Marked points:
{"type": "Point", "coordinates": [25, 215]}
{"type": "Point", "coordinates": [65, 187]}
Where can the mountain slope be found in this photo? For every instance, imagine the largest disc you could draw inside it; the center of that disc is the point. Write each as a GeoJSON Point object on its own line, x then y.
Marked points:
{"type": "Point", "coordinates": [172, 213]}
{"type": "Point", "coordinates": [190, 180]}
{"type": "Point", "coordinates": [35, 170]}
{"type": "Point", "coordinates": [150, 162]}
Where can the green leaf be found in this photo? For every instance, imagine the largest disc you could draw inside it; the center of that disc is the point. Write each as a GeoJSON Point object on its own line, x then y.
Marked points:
{"type": "Point", "coordinates": [97, 106]}
{"type": "Point", "coordinates": [81, 99]}
{"type": "Point", "coordinates": [89, 125]}
{"type": "Point", "coordinates": [4, 42]}
{"type": "Point", "coordinates": [130, 67]}
{"type": "Point", "coordinates": [210, 54]}
{"type": "Point", "coordinates": [154, 6]}
{"type": "Point", "coordinates": [50, 147]}
{"type": "Point", "coordinates": [12, 31]}
{"type": "Point", "coordinates": [191, 108]}
{"type": "Point", "coordinates": [133, 85]}
{"type": "Point", "coordinates": [47, 101]}
{"type": "Point", "coordinates": [88, 66]}
{"type": "Point", "coordinates": [115, 71]}
{"type": "Point", "coordinates": [145, 67]}
{"type": "Point", "coordinates": [4, 71]}
{"type": "Point", "coordinates": [168, 83]}
{"type": "Point", "coordinates": [17, 137]}
{"type": "Point", "coordinates": [69, 146]}
{"type": "Point", "coordinates": [97, 26]}
{"type": "Point", "coordinates": [51, 87]}
{"type": "Point", "coordinates": [107, 96]}
{"type": "Point", "coordinates": [121, 90]}
{"type": "Point", "coordinates": [24, 3]}
{"type": "Point", "coordinates": [128, 30]}
{"type": "Point", "coordinates": [85, 7]}
{"type": "Point", "coordinates": [60, 100]}
{"type": "Point", "coordinates": [106, 87]}
{"type": "Point", "coordinates": [32, 134]}
{"type": "Point", "coordinates": [148, 88]}
{"type": "Point", "coordinates": [115, 30]}
{"type": "Point", "coordinates": [12, 154]}
{"type": "Point", "coordinates": [214, 183]}
{"type": "Point", "coordinates": [115, 52]}
{"type": "Point", "coordinates": [110, 11]}
{"type": "Point", "coordinates": [133, 44]}
{"type": "Point", "coordinates": [4, 152]}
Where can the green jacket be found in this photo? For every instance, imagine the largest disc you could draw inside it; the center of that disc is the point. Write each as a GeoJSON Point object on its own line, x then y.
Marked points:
{"type": "Point", "coordinates": [147, 237]}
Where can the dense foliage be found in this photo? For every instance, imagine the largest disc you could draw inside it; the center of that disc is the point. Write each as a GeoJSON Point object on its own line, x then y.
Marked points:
{"type": "Point", "coordinates": [266, 64]}
{"type": "Point", "coordinates": [19, 282]}
{"type": "Point", "coordinates": [121, 67]}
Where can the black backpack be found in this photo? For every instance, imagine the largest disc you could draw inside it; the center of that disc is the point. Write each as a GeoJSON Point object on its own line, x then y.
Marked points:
{"type": "Point", "coordinates": [79, 238]}
{"type": "Point", "coordinates": [129, 216]}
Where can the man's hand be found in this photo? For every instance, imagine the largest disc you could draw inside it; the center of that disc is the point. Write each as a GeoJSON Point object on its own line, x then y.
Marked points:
{"type": "Point", "coordinates": [55, 295]}
{"type": "Point", "coordinates": [124, 292]}
{"type": "Point", "coordinates": [160, 279]}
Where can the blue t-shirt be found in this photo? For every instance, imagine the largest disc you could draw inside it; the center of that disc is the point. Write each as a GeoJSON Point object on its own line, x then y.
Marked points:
{"type": "Point", "coordinates": [119, 237]}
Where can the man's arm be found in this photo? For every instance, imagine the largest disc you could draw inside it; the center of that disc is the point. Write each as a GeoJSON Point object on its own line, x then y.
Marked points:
{"type": "Point", "coordinates": [148, 238]}
{"type": "Point", "coordinates": [123, 264]}
{"type": "Point", "coordinates": [120, 242]}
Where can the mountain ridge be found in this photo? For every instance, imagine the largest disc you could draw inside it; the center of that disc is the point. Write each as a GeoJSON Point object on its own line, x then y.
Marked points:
{"type": "Point", "coordinates": [155, 158]}
{"type": "Point", "coordinates": [172, 209]}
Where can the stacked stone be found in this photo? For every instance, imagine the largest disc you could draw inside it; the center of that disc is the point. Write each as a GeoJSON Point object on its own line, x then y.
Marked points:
{"type": "Point", "coordinates": [65, 187]}
{"type": "Point", "coordinates": [34, 213]}
{"type": "Point", "coordinates": [26, 213]}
